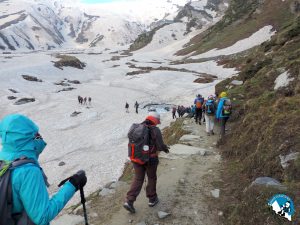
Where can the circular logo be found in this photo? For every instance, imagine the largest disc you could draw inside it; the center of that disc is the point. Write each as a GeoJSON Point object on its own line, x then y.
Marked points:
{"type": "Point", "coordinates": [282, 205]}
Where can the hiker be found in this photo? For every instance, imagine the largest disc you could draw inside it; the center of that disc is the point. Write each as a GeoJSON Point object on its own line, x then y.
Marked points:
{"type": "Point", "coordinates": [210, 108]}
{"type": "Point", "coordinates": [22, 144]}
{"type": "Point", "coordinates": [79, 99]}
{"type": "Point", "coordinates": [90, 100]}
{"type": "Point", "coordinates": [182, 111]}
{"type": "Point", "coordinates": [174, 112]}
{"type": "Point", "coordinates": [198, 108]}
{"type": "Point", "coordinates": [223, 111]}
{"type": "Point", "coordinates": [178, 111]}
{"type": "Point", "coordinates": [127, 107]}
{"type": "Point", "coordinates": [193, 111]}
{"type": "Point", "coordinates": [84, 100]}
{"type": "Point", "coordinates": [144, 137]}
{"type": "Point", "coordinates": [136, 105]}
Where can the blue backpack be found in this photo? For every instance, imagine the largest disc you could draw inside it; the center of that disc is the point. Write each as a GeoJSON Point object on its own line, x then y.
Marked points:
{"type": "Point", "coordinates": [210, 107]}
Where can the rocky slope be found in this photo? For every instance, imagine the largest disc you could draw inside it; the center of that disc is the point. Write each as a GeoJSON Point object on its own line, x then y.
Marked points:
{"type": "Point", "coordinates": [264, 136]}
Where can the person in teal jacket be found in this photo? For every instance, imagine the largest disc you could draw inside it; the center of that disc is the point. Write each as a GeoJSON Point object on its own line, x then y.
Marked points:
{"type": "Point", "coordinates": [223, 111]}
{"type": "Point", "coordinates": [20, 138]}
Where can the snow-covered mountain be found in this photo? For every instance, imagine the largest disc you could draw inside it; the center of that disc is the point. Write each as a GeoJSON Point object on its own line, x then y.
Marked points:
{"type": "Point", "coordinates": [43, 25]}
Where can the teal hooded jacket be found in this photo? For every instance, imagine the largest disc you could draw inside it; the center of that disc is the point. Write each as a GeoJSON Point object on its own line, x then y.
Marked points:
{"type": "Point", "coordinates": [28, 185]}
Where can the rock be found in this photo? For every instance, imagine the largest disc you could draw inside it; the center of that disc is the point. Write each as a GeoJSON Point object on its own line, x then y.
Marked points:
{"type": "Point", "coordinates": [106, 192]}
{"type": "Point", "coordinates": [268, 182]}
{"type": "Point", "coordinates": [186, 150]}
{"type": "Point", "coordinates": [11, 97]}
{"type": "Point", "coordinates": [68, 219]}
{"type": "Point", "coordinates": [215, 193]}
{"type": "Point", "coordinates": [24, 101]}
{"type": "Point", "coordinates": [162, 215]}
{"type": "Point", "coordinates": [141, 223]}
{"type": "Point", "coordinates": [74, 81]}
{"type": "Point", "coordinates": [31, 78]}
{"type": "Point", "coordinates": [94, 215]}
{"type": "Point", "coordinates": [284, 160]}
{"type": "Point", "coordinates": [237, 82]}
{"type": "Point", "coordinates": [75, 113]}
{"type": "Point", "coordinates": [62, 83]}
{"type": "Point", "coordinates": [61, 163]}
{"type": "Point", "coordinates": [13, 91]}
{"type": "Point", "coordinates": [220, 213]}
{"type": "Point", "coordinates": [182, 181]}
{"type": "Point", "coordinates": [130, 221]}
{"type": "Point", "coordinates": [66, 89]}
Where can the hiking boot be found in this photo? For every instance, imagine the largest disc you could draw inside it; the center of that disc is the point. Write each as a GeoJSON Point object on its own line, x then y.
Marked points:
{"type": "Point", "coordinates": [153, 202]}
{"type": "Point", "coordinates": [129, 207]}
{"type": "Point", "coordinates": [212, 132]}
{"type": "Point", "coordinates": [199, 123]}
{"type": "Point", "coordinates": [208, 134]}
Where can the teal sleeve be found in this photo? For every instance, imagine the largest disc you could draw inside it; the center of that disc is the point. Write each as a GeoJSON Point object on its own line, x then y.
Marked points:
{"type": "Point", "coordinates": [35, 198]}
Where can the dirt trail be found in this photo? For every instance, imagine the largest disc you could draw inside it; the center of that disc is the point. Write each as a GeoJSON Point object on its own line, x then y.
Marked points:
{"type": "Point", "coordinates": [185, 180]}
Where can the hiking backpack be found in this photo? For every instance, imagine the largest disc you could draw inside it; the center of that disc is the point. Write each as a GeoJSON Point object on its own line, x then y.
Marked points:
{"type": "Point", "coordinates": [227, 107]}
{"type": "Point", "coordinates": [139, 143]}
{"type": "Point", "coordinates": [199, 103]}
{"type": "Point", "coordinates": [6, 198]}
{"type": "Point", "coordinates": [210, 107]}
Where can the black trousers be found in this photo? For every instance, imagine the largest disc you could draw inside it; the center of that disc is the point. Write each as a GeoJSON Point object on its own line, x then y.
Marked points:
{"type": "Point", "coordinates": [198, 115]}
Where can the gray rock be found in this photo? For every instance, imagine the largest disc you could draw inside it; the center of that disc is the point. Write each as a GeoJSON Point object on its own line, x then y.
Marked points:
{"type": "Point", "coordinates": [182, 181]}
{"type": "Point", "coordinates": [61, 163]}
{"type": "Point", "coordinates": [74, 81]}
{"type": "Point", "coordinates": [215, 193]}
{"type": "Point", "coordinates": [94, 214]}
{"type": "Point", "coordinates": [11, 97]}
{"type": "Point", "coordinates": [13, 91]}
{"type": "Point", "coordinates": [24, 101]}
{"type": "Point", "coordinates": [284, 160]}
{"type": "Point", "coordinates": [268, 182]}
{"type": "Point", "coordinates": [66, 89]}
{"type": "Point", "coordinates": [75, 113]}
{"type": "Point", "coordinates": [237, 82]}
{"type": "Point", "coordinates": [62, 83]}
{"type": "Point", "coordinates": [220, 213]}
{"type": "Point", "coordinates": [141, 223]}
{"type": "Point", "coordinates": [162, 215]}
{"type": "Point", "coordinates": [31, 78]}
{"type": "Point", "coordinates": [106, 192]}
{"type": "Point", "coordinates": [130, 221]}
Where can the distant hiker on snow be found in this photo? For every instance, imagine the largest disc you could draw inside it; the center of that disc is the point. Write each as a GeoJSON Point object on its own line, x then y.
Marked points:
{"type": "Point", "coordinates": [136, 105]}
{"type": "Point", "coordinates": [198, 102]}
{"type": "Point", "coordinates": [210, 109]}
{"type": "Point", "coordinates": [174, 112]}
{"type": "Point", "coordinates": [145, 140]}
{"type": "Point", "coordinates": [84, 100]}
{"type": "Point", "coordinates": [223, 111]}
{"type": "Point", "coordinates": [80, 99]}
{"type": "Point", "coordinates": [90, 100]}
{"type": "Point", "coordinates": [22, 180]}
{"type": "Point", "coordinates": [127, 107]}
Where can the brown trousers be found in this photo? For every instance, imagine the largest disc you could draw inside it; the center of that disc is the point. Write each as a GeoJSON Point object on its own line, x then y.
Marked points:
{"type": "Point", "coordinates": [138, 180]}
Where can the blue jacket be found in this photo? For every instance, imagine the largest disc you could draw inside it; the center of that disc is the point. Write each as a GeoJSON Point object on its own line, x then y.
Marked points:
{"type": "Point", "coordinates": [199, 99]}
{"type": "Point", "coordinates": [28, 185]}
{"type": "Point", "coordinates": [219, 113]}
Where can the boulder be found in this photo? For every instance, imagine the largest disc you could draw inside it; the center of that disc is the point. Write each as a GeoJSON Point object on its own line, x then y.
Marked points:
{"type": "Point", "coordinates": [284, 160]}
{"type": "Point", "coordinates": [13, 91]}
{"type": "Point", "coordinates": [11, 97]}
{"type": "Point", "coordinates": [61, 163]}
{"type": "Point", "coordinates": [75, 113]}
{"type": "Point", "coordinates": [162, 215]}
{"type": "Point", "coordinates": [237, 82]}
{"type": "Point", "coordinates": [215, 193]}
{"type": "Point", "coordinates": [24, 101]}
{"type": "Point", "coordinates": [31, 78]}
{"type": "Point", "coordinates": [66, 89]}
{"type": "Point", "coordinates": [74, 81]}
{"type": "Point", "coordinates": [268, 182]}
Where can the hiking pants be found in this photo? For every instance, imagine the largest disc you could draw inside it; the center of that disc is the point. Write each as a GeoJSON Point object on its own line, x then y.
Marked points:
{"type": "Point", "coordinates": [136, 110]}
{"type": "Point", "coordinates": [138, 180]}
{"type": "Point", "coordinates": [223, 124]}
{"type": "Point", "coordinates": [209, 123]}
{"type": "Point", "coordinates": [198, 116]}
{"type": "Point", "coordinates": [174, 115]}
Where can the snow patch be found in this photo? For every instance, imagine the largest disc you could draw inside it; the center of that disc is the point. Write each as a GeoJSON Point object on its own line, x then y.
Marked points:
{"type": "Point", "coordinates": [282, 80]}
{"type": "Point", "coordinates": [264, 34]}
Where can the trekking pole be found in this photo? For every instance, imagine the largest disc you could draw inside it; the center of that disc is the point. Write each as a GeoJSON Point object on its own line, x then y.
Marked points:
{"type": "Point", "coordinates": [83, 205]}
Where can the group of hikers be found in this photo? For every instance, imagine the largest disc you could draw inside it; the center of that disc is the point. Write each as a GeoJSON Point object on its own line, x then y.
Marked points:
{"type": "Point", "coordinates": [84, 100]}
{"type": "Point", "coordinates": [209, 110]}
{"type": "Point", "coordinates": [136, 106]}
{"type": "Point", "coordinates": [24, 198]}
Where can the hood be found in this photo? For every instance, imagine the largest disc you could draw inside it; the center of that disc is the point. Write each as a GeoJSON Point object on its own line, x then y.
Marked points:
{"type": "Point", "coordinates": [18, 137]}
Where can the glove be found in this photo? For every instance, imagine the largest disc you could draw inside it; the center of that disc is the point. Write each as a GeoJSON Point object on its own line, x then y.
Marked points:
{"type": "Point", "coordinates": [78, 180]}
{"type": "Point", "coordinates": [167, 149]}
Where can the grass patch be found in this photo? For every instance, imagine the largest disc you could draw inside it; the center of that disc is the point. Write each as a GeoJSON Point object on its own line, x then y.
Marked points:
{"type": "Point", "coordinates": [174, 132]}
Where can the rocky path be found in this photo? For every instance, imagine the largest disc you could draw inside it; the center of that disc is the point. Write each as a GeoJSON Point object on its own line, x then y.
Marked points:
{"type": "Point", "coordinates": [186, 179]}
